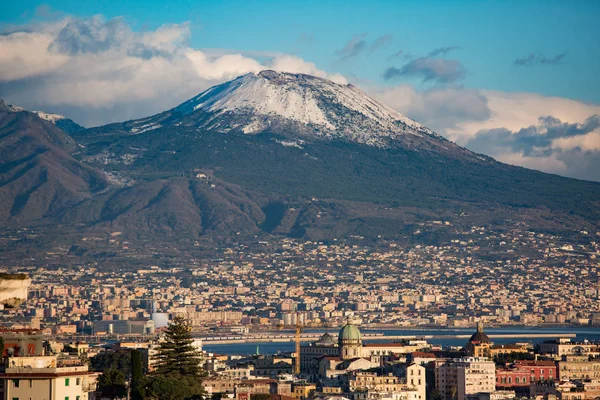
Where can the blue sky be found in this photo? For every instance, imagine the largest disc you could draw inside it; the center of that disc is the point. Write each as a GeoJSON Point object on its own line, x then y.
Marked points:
{"type": "Point", "coordinates": [490, 35]}
{"type": "Point", "coordinates": [516, 80]}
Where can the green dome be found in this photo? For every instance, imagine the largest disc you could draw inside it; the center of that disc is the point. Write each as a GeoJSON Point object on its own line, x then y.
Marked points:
{"type": "Point", "coordinates": [349, 332]}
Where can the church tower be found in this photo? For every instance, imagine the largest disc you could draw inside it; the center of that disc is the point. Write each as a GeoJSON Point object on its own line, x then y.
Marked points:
{"type": "Point", "coordinates": [350, 341]}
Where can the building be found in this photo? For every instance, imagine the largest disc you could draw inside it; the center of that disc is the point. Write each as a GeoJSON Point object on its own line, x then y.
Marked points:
{"type": "Point", "coordinates": [46, 377]}
{"type": "Point", "coordinates": [22, 342]}
{"type": "Point", "coordinates": [566, 390]}
{"type": "Point", "coordinates": [572, 367]}
{"type": "Point", "coordinates": [522, 373]}
{"type": "Point", "coordinates": [124, 327]}
{"type": "Point", "coordinates": [311, 353]}
{"type": "Point", "coordinates": [350, 346]}
{"type": "Point", "coordinates": [350, 341]}
{"type": "Point", "coordinates": [411, 385]}
{"type": "Point", "coordinates": [272, 366]}
{"type": "Point", "coordinates": [463, 377]}
{"type": "Point", "coordinates": [564, 346]}
{"type": "Point", "coordinates": [479, 343]}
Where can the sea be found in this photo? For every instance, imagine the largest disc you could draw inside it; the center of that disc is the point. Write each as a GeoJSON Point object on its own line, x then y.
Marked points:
{"type": "Point", "coordinates": [583, 333]}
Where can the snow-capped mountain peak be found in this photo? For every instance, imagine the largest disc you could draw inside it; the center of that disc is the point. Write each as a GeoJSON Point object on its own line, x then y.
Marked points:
{"type": "Point", "coordinates": [279, 102]}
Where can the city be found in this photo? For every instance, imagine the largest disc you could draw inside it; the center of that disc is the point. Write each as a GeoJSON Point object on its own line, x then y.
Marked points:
{"type": "Point", "coordinates": [299, 200]}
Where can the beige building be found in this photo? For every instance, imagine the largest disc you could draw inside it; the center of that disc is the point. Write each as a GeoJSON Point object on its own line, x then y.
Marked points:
{"type": "Point", "coordinates": [464, 377]}
{"type": "Point", "coordinates": [475, 375]}
{"type": "Point", "coordinates": [412, 387]}
{"type": "Point", "coordinates": [564, 346]}
{"type": "Point", "coordinates": [573, 367]}
{"type": "Point", "coordinates": [46, 378]}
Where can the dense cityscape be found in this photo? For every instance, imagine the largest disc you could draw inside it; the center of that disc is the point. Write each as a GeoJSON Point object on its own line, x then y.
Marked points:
{"type": "Point", "coordinates": [499, 278]}
{"type": "Point", "coordinates": [299, 200]}
{"type": "Point", "coordinates": [89, 319]}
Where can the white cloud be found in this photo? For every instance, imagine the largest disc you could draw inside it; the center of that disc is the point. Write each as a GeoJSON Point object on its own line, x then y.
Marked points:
{"type": "Point", "coordinates": [293, 64]}
{"type": "Point", "coordinates": [589, 142]}
{"type": "Point", "coordinates": [98, 71]}
{"type": "Point", "coordinates": [484, 121]}
{"type": "Point", "coordinates": [518, 110]}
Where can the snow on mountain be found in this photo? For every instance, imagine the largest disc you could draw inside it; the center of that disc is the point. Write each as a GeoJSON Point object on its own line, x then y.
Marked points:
{"type": "Point", "coordinates": [49, 117]}
{"type": "Point", "coordinates": [284, 102]}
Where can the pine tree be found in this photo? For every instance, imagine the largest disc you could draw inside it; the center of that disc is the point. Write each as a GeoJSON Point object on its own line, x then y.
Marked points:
{"type": "Point", "coordinates": [176, 353]}
{"type": "Point", "coordinates": [111, 384]}
{"type": "Point", "coordinates": [137, 376]}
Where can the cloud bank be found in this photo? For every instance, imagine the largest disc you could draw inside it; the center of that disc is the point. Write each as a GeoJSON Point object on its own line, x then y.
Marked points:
{"type": "Point", "coordinates": [98, 71]}
{"type": "Point", "coordinates": [551, 134]}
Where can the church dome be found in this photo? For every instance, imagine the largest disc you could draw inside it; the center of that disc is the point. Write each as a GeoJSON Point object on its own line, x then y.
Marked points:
{"type": "Point", "coordinates": [325, 340]}
{"type": "Point", "coordinates": [480, 336]}
{"type": "Point", "coordinates": [349, 333]}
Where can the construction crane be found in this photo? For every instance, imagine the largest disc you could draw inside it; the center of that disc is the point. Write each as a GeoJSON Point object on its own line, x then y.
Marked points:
{"type": "Point", "coordinates": [297, 359]}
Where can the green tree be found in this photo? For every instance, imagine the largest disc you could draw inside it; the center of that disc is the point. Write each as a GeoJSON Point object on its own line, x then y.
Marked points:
{"type": "Point", "coordinates": [111, 384]}
{"type": "Point", "coordinates": [120, 360]}
{"type": "Point", "coordinates": [137, 376]}
{"type": "Point", "coordinates": [176, 352]}
{"type": "Point", "coordinates": [175, 387]}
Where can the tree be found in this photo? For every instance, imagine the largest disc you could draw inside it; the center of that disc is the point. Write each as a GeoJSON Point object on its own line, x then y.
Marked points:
{"type": "Point", "coordinates": [137, 376]}
{"type": "Point", "coordinates": [175, 387]}
{"type": "Point", "coordinates": [176, 353]}
{"type": "Point", "coordinates": [111, 384]}
{"type": "Point", "coordinates": [120, 360]}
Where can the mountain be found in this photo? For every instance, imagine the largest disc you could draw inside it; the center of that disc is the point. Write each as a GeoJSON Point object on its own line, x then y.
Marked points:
{"type": "Point", "coordinates": [38, 176]}
{"type": "Point", "coordinates": [64, 123]}
{"type": "Point", "coordinates": [291, 154]}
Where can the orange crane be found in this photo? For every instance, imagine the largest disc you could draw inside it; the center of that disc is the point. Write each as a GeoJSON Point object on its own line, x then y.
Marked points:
{"type": "Point", "coordinates": [297, 359]}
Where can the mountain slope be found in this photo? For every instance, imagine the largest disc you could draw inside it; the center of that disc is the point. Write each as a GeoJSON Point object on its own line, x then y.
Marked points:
{"type": "Point", "coordinates": [38, 176]}
{"type": "Point", "coordinates": [290, 154]}
{"type": "Point", "coordinates": [64, 123]}
{"type": "Point", "coordinates": [315, 138]}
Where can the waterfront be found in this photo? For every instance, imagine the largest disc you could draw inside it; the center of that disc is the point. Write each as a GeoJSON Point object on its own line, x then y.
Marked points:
{"type": "Point", "coordinates": [588, 333]}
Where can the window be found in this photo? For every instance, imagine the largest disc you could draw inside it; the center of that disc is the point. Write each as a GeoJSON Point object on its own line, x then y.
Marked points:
{"type": "Point", "coordinates": [77, 381]}
{"type": "Point", "coordinates": [66, 397]}
{"type": "Point", "coordinates": [15, 383]}
{"type": "Point", "coordinates": [67, 380]}
{"type": "Point", "coordinates": [77, 397]}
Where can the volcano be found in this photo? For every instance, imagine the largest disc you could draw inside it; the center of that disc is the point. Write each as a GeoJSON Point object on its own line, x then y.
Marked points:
{"type": "Point", "coordinates": [287, 154]}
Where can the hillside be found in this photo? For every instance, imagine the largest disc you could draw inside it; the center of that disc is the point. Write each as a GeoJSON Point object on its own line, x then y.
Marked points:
{"type": "Point", "coordinates": [321, 161]}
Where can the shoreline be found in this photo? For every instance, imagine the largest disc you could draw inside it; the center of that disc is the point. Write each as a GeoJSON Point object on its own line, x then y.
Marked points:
{"type": "Point", "coordinates": [418, 328]}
